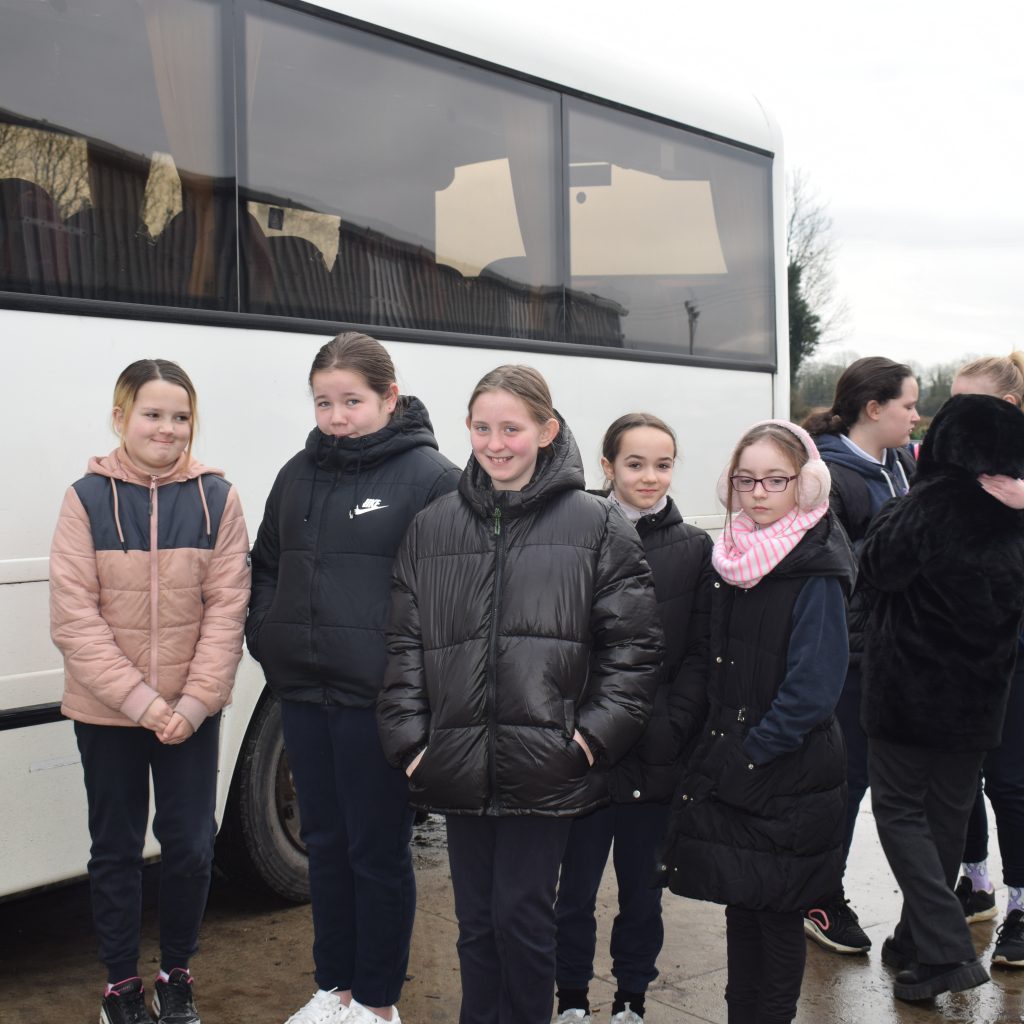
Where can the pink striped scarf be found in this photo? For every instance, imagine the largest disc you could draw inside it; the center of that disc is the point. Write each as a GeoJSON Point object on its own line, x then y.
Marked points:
{"type": "Point", "coordinates": [745, 553]}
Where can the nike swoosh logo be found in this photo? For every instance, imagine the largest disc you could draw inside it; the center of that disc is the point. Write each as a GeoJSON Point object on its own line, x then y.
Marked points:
{"type": "Point", "coordinates": [361, 511]}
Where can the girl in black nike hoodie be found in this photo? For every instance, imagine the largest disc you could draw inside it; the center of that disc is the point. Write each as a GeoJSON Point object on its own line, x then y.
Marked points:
{"type": "Point", "coordinates": [321, 577]}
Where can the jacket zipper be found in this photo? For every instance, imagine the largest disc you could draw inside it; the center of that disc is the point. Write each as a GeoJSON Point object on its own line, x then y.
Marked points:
{"type": "Point", "coordinates": [314, 654]}
{"type": "Point", "coordinates": [154, 586]}
{"type": "Point", "coordinates": [492, 663]}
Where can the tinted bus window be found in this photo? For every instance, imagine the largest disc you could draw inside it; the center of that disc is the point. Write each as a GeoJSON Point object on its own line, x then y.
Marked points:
{"type": "Point", "coordinates": [115, 181]}
{"type": "Point", "coordinates": [675, 230]}
{"type": "Point", "coordinates": [412, 191]}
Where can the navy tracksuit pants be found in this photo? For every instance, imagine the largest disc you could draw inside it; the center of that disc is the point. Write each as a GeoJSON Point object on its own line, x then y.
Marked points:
{"type": "Point", "coordinates": [117, 762]}
{"type": "Point", "coordinates": [357, 825]}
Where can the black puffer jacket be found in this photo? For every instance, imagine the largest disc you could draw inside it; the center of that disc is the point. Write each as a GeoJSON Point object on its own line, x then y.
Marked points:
{"type": "Point", "coordinates": [946, 565]}
{"type": "Point", "coordinates": [323, 555]}
{"type": "Point", "coordinates": [680, 559]}
{"type": "Point", "coordinates": [518, 617]}
{"type": "Point", "coordinates": [767, 836]}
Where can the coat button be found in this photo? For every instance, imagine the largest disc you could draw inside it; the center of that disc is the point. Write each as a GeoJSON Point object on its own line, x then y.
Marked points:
{"type": "Point", "coordinates": [717, 585]}
{"type": "Point", "coordinates": [685, 797]}
{"type": "Point", "coordinates": [713, 732]}
{"type": "Point", "coordinates": [718, 660]}
{"type": "Point", "coordinates": [636, 794]}
{"type": "Point", "coordinates": [750, 767]}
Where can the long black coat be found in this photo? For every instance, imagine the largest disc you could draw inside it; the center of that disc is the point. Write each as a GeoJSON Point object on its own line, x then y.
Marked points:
{"type": "Point", "coordinates": [946, 568]}
{"type": "Point", "coordinates": [765, 837]}
{"type": "Point", "coordinates": [518, 617]}
{"type": "Point", "coordinates": [680, 559]}
{"type": "Point", "coordinates": [321, 563]}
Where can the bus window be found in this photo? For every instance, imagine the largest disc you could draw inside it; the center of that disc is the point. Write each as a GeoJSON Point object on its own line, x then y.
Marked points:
{"type": "Point", "coordinates": [435, 176]}
{"type": "Point", "coordinates": [129, 198]}
{"type": "Point", "coordinates": [674, 228]}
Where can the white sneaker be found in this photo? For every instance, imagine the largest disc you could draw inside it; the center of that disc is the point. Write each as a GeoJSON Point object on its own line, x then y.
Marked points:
{"type": "Point", "coordinates": [324, 1008]}
{"type": "Point", "coordinates": [627, 1017]}
{"type": "Point", "coordinates": [573, 1017]}
{"type": "Point", "coordinates": [359, 1014]}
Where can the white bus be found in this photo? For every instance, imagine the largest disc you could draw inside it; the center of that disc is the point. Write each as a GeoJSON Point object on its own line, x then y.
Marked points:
{"type": "Point", "coordinates": [228, 184]}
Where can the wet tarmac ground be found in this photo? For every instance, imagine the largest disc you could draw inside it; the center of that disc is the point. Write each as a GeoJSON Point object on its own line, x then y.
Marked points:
{"type": "Point", "coordinates": [255, 967]}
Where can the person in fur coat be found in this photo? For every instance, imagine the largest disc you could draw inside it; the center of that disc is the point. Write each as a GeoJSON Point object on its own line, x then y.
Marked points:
{"type": "Point", "coordinates": [946, 565]}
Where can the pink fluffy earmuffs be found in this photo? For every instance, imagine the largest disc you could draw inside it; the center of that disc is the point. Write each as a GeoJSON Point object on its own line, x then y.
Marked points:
{"type": "Point", "coordinates": [814, 482]}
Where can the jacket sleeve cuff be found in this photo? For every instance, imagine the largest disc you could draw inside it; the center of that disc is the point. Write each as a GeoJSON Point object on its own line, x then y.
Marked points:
{"type": "Point", "coordinates": [192, 710]}
{"type": "Point", "coordinates": [138, 700]}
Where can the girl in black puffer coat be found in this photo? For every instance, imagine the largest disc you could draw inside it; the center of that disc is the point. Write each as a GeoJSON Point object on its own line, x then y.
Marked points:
{"type": "Point", "coordinates": [524, 654]}
{"type": "Point", "coordinates": [757, 823]}
{"type": "Point", "coordinates": [639, 452]}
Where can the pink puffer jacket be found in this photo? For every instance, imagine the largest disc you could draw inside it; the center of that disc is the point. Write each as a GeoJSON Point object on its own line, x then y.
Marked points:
{"type": "Point", "coordinates": [149, 583]}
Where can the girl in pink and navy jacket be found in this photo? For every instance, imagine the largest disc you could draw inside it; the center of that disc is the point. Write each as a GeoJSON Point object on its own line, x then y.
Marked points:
{"type": "Point", "coordinates": [149, 582]}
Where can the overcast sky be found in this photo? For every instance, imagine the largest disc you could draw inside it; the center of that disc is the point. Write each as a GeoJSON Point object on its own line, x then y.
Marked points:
{"type": "Point", "coordinates": [907, 118]}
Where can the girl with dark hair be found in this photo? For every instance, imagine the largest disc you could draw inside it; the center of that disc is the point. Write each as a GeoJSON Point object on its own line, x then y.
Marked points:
{"type": "Point", "coordinates": [525, 652]}
{"type": "Point", "coordinates": [757, 822]}
{"type": "Point", "coordinates": [321, 575]}
{"type": "Point", "coordinates": [638, 455]}
{"type": "Point", "coordinates": [149, 580]}
{"type": "Point", "coordinates": [862, 440]}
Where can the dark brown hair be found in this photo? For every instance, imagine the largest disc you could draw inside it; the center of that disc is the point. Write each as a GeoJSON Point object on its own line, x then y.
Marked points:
{"type": "Point", "coordinates": [141, 372]}
{"type": "Point", "coordinates": [873, 378]}
{"type": "Point", "coordinates": [361, 354]}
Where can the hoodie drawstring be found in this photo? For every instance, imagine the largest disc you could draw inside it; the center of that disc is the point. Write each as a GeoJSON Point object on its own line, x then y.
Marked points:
{"type": "Point", "coordinates": [117, 515]}
{"type": "Point", "coordinates": [206, 508]}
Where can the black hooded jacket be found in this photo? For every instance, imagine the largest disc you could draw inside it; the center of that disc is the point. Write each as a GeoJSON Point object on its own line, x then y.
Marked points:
{"type": "Point", "coordinates": [323, 555]}
{"type": "Point", "coordinates": [765, 836]}
{"type": "Point", "coordinates": [680, 559]}
{"type": "Point", "coordinates": [946, 566]}
{"type": "Point", "coordinates": [518, 617]}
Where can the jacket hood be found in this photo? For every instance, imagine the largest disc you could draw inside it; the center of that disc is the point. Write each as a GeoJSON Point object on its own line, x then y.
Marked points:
{"type": "Point", "coordinates": [976, 434]}
{"type": "Point", "coordinates": [559, 468]}
{"type": "Point", "coordinates": [117, 466]}
{"type": "Point", "coordinates": [824, 551]}
{"type": "Point", "coordinates": [834, 450]}
{"type": "Point", "coordinates": [409, 427]}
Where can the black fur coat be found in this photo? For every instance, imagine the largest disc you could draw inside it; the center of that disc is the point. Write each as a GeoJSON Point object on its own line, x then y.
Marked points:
{"type": "Point", "coordinates": [946, 566]}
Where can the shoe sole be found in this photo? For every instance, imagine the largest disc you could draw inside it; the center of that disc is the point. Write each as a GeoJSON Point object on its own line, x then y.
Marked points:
{"type": "Point", "coordinates": [812, 931]}
{"type": "Point", "coordinates": [969, 976]}
{"type": "Point", "coordinates": [1007, 965]}
{"type": "Point", "coordinates": [982, 915]}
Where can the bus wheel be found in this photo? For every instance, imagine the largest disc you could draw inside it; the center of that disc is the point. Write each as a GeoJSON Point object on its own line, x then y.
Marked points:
{"type": "Point", "coordinates": [259, 843]}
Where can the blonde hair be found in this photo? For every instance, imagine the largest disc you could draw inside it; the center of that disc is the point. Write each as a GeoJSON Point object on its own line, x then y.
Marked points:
{"type": "Point", "coordinates": [1005, 373]}
{"type": "Point", "coordinates": [142, 371]}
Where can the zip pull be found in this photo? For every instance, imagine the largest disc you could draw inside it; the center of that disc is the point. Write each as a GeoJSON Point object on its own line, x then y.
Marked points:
{"type": "Point", "coordinates": [152, 490]}
{"type": "Point", "coordinates": [497, 520]}
{"type": "Point", "coordinates": [741, 715]}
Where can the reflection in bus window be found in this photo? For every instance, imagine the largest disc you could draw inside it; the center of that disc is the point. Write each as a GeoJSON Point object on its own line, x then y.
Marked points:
{"type": "Point", "coordinates": [675, 229]}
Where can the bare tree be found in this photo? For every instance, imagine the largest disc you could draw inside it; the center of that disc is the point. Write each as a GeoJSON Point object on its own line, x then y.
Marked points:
{"type": "Point", "coordinates": [810, 254]}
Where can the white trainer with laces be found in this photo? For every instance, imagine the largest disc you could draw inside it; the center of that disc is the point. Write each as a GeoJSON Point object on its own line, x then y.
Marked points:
{"type": "Point", "coordinates": [324, 1008]}
{"type": "Point", "coordinates": [359, 1014]}
{"type": "Point", "coordinates": [573, 1017]}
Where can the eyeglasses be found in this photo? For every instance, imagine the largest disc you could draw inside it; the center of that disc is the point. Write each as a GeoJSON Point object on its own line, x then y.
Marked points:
{"type": "Point", "coordinates": [770, 483]}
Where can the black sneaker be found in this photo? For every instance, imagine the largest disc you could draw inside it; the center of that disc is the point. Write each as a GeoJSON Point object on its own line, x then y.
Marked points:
{"type": "Point", "coordinates": [172, 999]}
{"type": "Point", "coordinates": [1009, 951]}
{"type": "Point", "coordinates": [125, 1004]}
{"type": "Point", "coordinates": [834, 926]}
{"type": "Point", "coordinates": [894, 955]}
{"type": "Point", "coordinates": [978, 904]}
{"type": "Point", "coordinates": [925, 981]}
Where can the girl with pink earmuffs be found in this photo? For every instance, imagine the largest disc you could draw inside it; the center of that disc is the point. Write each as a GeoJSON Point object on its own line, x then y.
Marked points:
{"type": "Point", "coordinates": [757, 821]}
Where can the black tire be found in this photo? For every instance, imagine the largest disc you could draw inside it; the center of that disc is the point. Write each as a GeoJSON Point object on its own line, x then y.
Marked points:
{"type": "Point", "coordinates": [259, 842]}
